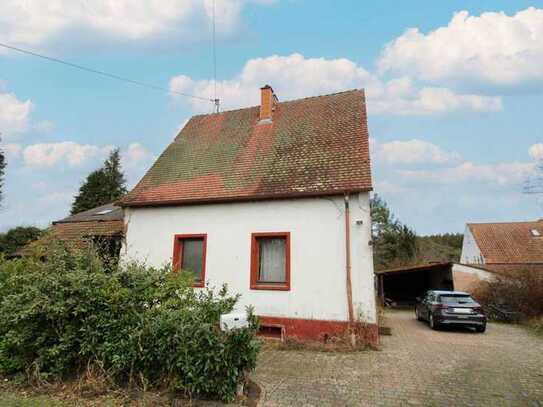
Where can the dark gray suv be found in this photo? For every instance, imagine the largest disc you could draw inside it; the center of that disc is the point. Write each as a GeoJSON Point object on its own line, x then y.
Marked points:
{"type": "Point", "coordinates": [450, 308]}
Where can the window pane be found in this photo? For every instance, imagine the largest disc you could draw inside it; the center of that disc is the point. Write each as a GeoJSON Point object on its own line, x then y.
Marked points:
{"type": "Point", "coordinates": [456, 299]}
{"type": "Point", "coordinates": [272, 260]}
{"type": "Point", "coordinates": [193, 250]}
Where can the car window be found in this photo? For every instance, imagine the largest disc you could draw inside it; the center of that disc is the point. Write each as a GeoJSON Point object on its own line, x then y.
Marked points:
{"type": "Point", "coordinates": [456, 299]}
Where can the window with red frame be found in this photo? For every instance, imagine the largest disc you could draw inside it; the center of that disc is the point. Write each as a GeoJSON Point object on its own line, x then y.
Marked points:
{"type": "Point", "coordinates": [189, 255]}
{"type": "Point", "coordinates": [270, 261]}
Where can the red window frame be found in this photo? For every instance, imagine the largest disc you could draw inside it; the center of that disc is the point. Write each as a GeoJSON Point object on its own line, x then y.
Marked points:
{"type": "Point", "coordinates": [255, 257]}
{"type": "Point", "coordinates": [178, 254]}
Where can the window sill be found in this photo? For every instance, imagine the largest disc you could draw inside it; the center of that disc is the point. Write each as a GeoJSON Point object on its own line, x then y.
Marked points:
{"type": "Point", "coordinates": [270, 287]}
{"type": "Point", "coordinates": [199, 284]}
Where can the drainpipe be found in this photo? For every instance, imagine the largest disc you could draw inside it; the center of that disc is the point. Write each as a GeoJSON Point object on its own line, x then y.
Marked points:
{"type": "Point", "coordinates": [348, 269]}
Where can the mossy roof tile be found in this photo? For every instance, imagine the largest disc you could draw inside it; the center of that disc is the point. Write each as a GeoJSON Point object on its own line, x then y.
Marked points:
{"type": "Point", "coordinates": [314, 146]}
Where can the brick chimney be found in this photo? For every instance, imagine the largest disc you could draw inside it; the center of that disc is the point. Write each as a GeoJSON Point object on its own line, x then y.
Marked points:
{"type": "Point", "coordinates": [267, 103]}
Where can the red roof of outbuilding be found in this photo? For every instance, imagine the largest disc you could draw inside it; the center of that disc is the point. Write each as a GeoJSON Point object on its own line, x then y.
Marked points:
{"type": "Point", "coordinates": [509, 243]}
{"type": "Point", "coordinates": [313, 146]}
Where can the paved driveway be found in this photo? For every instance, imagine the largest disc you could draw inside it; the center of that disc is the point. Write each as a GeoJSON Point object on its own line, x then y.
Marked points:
{"type": "Point", "coordinates": [417, 366]}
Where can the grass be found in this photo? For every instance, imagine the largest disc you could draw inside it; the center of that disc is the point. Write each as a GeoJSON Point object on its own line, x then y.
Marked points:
{"type": "Point", "coordinates": [21, 399]}
{"type": "Point", "coordinates": [70, 394]}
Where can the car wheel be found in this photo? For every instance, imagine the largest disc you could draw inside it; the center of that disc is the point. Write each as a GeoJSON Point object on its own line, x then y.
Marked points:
{"type": "Point", "coordinates": [481, 328]}
{"type": "Point", "coordinates": [432, 323]}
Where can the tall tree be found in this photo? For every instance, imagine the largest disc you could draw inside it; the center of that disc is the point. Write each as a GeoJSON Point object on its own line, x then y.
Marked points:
{"type": "Point", "coordinates": [102, 186]}
{"type": "Point", "coordinates": [394, 244]}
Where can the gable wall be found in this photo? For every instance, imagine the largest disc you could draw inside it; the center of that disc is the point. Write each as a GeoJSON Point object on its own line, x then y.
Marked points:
{"type": "Point", "coordinates": [317, 227]}
{"type": "Point", "coordinates": [471, 254]}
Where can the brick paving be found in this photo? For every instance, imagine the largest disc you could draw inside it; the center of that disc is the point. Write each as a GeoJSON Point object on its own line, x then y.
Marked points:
{"type": "Point", "coordinates": [416, 366]}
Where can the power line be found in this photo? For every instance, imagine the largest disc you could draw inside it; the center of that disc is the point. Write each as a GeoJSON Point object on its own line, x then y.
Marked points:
{"type": "Point", "coordinates": [106, 74]}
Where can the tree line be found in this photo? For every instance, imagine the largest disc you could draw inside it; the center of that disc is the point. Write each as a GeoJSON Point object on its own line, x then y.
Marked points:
{"type": "Point", "coordinates": [396, 244]}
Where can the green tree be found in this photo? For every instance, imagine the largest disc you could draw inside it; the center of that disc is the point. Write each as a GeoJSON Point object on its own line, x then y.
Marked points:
{"type": "Point", "coordinates": [18, 237]}
{"type": "Point", "coordinates": [440, 247]}
{"type": "Point", "coordinates": [102, 186]}
{"type": "Point", "coordinates": [394, 244]}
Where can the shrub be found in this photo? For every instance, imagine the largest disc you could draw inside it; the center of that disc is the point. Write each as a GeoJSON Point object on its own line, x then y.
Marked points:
{"type": "Point", "coordinates": [520, 291]}
{"type": "Point", "coordinates": [142, 326]}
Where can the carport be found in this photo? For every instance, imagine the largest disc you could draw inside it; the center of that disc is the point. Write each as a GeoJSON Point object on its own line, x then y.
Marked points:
{"type": "Point", "coordinates": [402, 285]}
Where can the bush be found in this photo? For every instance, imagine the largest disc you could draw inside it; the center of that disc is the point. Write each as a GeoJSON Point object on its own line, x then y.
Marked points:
{"type": "Point", "coordinates": [141, 326]}
{"type": "Point", "coordinates": [520, 291]}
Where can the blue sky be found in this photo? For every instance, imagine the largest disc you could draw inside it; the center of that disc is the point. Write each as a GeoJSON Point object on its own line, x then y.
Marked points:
{"type": "Point", "coordinates": [454, 92]}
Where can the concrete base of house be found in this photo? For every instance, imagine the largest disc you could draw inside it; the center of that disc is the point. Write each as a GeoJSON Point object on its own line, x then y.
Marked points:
{"type": "Point", "coordinates": [311, 330]}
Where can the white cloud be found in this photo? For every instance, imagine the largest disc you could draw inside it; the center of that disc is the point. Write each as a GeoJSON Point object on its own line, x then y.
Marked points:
{"type": "Point", "coordinates": [136, 160]}
{"type": "Point", "coordinates": [513, 173]}
{"type": "Point", "coordinates": [50, 154]}
{"type": "Point", "coordinates": [135, 153]}
{"type": "Point", "coordinates": [414, 152]}
{"type": "Point", "coordinates": [418, 165]}
{"type": "Point", "coordinates": [14, 115]}
{"type": "Point", "coordinates": [12, 151]}
{"type": "Point", "coordinates": [295, 76]}
{"type": "Point", "coordinates": [34, 22]}
{"type": "Point", "coordinates": [536, 151]}
{"type": "Point", "coordinates": [493, 47]}
{"type": "Point", "coordinates": [432, 101]}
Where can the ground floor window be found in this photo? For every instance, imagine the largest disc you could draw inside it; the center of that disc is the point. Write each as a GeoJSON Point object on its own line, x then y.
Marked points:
{"type": "Point", "coordinates": [189, 255]}
{"type": "Point", "coordinates": [270, 261]}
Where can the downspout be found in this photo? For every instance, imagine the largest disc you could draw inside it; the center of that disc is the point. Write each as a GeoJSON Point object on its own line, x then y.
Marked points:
{"type": "Point", "coordinates": [348, 270]}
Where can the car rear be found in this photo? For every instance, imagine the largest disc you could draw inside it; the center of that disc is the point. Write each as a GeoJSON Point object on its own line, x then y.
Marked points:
{"type": "Point", "coordinates": [460, 310]}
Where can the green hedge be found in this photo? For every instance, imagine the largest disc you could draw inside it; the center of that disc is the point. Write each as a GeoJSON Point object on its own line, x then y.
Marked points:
{"type": "Point", "coordinates": [140, 325]}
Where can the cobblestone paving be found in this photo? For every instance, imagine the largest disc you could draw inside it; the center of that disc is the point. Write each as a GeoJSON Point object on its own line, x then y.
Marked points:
{"type": "Point", "coordinates": [416, 366]}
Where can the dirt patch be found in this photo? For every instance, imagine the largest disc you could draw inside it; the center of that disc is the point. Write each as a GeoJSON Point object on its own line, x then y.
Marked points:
{"type": "Point", "coordinates": [96, 393]}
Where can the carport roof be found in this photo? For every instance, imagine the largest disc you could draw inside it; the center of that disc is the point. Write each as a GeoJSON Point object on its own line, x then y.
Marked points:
{"type": "Point", "coordinates": [416, 267]}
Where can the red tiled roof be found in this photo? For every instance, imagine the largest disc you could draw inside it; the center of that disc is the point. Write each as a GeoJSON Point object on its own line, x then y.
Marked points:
{"type": "Point", "coordinates": [79, 234]}
{"type": "Point", "coordinates": [80, 231]}
{"type": "Point", "coordinates": [314, 146]}
{"type": "Point", "coordinates": [509, 243]}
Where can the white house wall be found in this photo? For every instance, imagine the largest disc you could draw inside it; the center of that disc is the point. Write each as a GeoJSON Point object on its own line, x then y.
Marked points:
{"type": "Point", "coordinates": [471, 254]}
{"type": "Point", "coordinates": [317, 227]}
{"type": "Point", "coordinates": [481, 275]}
{"type": "Point", "coordinates": [468, 278]}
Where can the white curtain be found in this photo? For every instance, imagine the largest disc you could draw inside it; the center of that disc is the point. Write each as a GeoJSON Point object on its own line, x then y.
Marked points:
{"type": "Point", "coordinates": [272, 260]}
{"type": "Point", "coordinates": [193, 252]}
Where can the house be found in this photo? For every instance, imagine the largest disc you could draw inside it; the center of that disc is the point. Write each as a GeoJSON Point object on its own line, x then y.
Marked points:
{"type": "Point", "coordinates": [490, 248]}
{"type": "Point", "coordinates": [102, 225]}
{"type": "Point", "coordinates": [274, 201]}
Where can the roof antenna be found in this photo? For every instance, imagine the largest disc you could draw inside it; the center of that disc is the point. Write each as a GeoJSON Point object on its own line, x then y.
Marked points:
{"type": "Point", "coordinates": [216, 100]}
